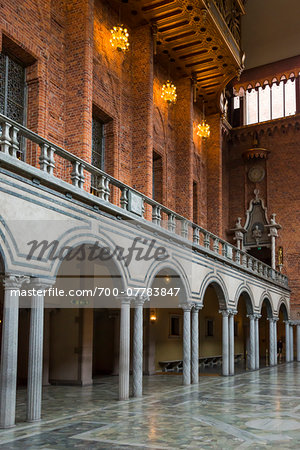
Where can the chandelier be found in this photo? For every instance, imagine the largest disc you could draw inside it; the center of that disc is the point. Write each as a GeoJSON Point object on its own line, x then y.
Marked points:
{"type": "Point", "coordinates": [203, 129]}
{"type": "Point", "coordinates": [168, 92]}
{"type": "Point", "coordinates": [119, 38]}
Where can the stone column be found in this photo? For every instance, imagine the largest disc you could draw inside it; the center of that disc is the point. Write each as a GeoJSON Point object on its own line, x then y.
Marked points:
{"type": "Point", "coordinates": [287, 341]}
{"type": "Point", "coordinates": [291, 342]}
{"type": "Point", "coordinates": [137, 361]}
{"type": "Point", "coordinates": [231, 341]}
{"type": "Point", "coordinates": [273, 228]}
{"type": "Point", "coordinates": [252, 347]}
{"type": "Point", "coordinates": [225, 343]}
{"type": "Point", "coordinates": [35, 356]}
{"type": "Point", "coordinates": [124, 361]}
{"type": "Point", "coordinates": [271, 341]}
{"type": "Point", "coordinates": [186, 343]}
{"type": "Point", "coordinates": [9, 351]}
{"type": "Point", "coordinates": [46, 346]}
{"type": "Point", "coordinates": [298, 341]}
{"type": "Point", "coordinates": [257, 317]}
{"type": "Point", "coordinates": [195, 343]}
{"type": "Point", "coordinates": [275, 339]}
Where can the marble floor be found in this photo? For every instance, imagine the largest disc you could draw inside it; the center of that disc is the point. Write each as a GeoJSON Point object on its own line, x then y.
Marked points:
{"type": "Point", "coordinates": [254, 410]}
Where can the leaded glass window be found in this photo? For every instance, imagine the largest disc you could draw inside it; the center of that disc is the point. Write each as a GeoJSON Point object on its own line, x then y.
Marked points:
{"type": "Point", "coordinates": [98, 143]}
{"type": "Point", "coordinates": [12, 89]}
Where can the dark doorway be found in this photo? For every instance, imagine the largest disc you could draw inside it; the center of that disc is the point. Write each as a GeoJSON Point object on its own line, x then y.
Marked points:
{"type": "Point", "coordinates": [261, 253]}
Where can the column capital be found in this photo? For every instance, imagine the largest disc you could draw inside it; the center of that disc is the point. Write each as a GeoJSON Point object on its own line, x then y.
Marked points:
{"type": "Point", "coordinates": [197, 307]}
{"type": "Point", "coordinates": [125, 299]}
{"type": "Point", "coordinates": [272, 319]}
{"type": "Point", "coordinates": [11, 281]}
{"type": "Point", "coordinates": [224, 312]}
{"type": "Point", "coordinates": [233, 312]}
{"type": "Point", "coordinates": [287, 322]}
{"type": "Point", "coordinates": [186, 306]}
{"type": "Point", "coordinates": [40, 283]}
{"type": "Point", "coordinates": [139, 300]}
{"type": "Point", "coordinates": [257, 316]}
{"type": "Point", "coordinates": [251, 316]}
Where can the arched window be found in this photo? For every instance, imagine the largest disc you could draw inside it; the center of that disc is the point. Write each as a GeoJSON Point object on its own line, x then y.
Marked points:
{"type": "Point", "coordinates": [251, 105]}
{"type": "Point", "coordinates": [270, 101]}
{"type": "Point", "coordinates": [264, 103]}
{"type": "Point", "coordinates": [290, 97]}
{"type": "Point", "coordinates": [277, 100]}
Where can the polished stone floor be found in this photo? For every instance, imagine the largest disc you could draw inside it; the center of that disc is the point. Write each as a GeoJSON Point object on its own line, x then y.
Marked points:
{"type": "Point", "coordinates": [254, 410]}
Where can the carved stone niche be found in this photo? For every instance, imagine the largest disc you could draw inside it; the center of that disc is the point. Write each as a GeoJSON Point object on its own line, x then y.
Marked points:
{"type": "Point", "coordinates": [256, 224]}
{"type": "Point", "coordinates": [258, 235]}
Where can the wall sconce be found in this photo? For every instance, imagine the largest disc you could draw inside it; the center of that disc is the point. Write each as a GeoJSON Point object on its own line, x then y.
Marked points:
{"type": "Point", "coordinates": [167, 279]}
{"type": "Point", "coordinates": [153, 316]}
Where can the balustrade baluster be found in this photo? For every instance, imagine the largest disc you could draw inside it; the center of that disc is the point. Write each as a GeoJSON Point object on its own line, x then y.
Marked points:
{"type": "Point", "coordinates": [196, 236]}
{"type": "Point", "coordinates": [216, 245]}
{"type": "Point", "coordinates": [77, 175]}
{"type": "Point", "coordinates": [184, 229]}
{"type": "Point", "coordinates": [5, 139]}
{"type": "Point", "coordinates": [171, 223]}
{"type": "Point", "coordinates": [156, 216]}
{"type": "Point", "coordinates": [124, 198]}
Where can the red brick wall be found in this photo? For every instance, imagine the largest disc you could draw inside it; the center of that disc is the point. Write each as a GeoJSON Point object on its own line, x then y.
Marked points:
{"type": "Point", "coordinates": [214, 176]}
{"type": "Point", "coordinates": [279, 189]}
{"type": "Point", "coordinates": [72, 70]}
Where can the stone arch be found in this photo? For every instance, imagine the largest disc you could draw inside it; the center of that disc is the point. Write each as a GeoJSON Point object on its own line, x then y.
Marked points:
{"type": "Point", "coordinates": [221, 290]}
{"type": "Point", "coordinates": [245, 291]}
{"type": "Point", "coordinates": [283, 305]}
{"type": "Point", "coordinates": [3, 263]}
{"type": "Point", "coordinates": [85, 239]}
{"type": "Point", "coordinates": [174, 269]}
{"type": "Point", "coordinates": [266, 297]}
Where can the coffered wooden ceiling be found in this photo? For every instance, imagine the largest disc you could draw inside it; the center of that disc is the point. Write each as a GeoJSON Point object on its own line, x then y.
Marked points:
{"type": "Point", "coordinates": [200, 39]}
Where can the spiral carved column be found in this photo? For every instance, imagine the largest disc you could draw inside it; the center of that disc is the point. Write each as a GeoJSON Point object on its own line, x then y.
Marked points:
{"type": "Point", "coordinates": [124, 361]}
{"type": "Point", "coordinates": [35, 357]}
{"type": "Point", "coordinates": [195, 343]}
{"type": "Point", "coordinates": [252, 342]}
{"type": "Point", "coordinates": [9, 351]}
{"type": "Point", "coordinates": [225, 343]}
{"type": "Point", "coordinates": [186, 343]}
{"type": "Point", "coordinates": [257, 317]}
{"type": "Point", "coordinates": [137, 362]}
{"type": "Point", "coordinates": [271, 341]}
{"type": "Point", "coordinates": [298, 342]}
{"type": "Point", "coordinates": [291, 342]}
{"type": "Point", "coordinates": [287, 341]}
{"type": "Point", "coordinates": [231, 341]}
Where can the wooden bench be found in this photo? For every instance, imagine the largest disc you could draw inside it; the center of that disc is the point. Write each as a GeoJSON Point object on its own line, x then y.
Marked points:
{"type": "Point", "coordinates": [204, 361]}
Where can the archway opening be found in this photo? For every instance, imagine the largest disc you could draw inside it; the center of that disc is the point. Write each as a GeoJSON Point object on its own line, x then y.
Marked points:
{"type": "Point", "coordinates": [242, 332]}
{"type": "Point", "coordinates": [264, 332]}
{"type": "Point", "coordinates": [163, 324]}
{"type": "Point", "coordinates": [281, 337]}
{"type": "Point", "coordinates": [81, 339]}
{"type": "Point", "coordinates": [2, 272]}
{"type": "Point", "coordinates": [210, 330]}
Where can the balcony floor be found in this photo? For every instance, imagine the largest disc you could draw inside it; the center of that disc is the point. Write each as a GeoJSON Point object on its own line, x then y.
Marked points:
{"type": "Point", "coordinates": [251, 410]}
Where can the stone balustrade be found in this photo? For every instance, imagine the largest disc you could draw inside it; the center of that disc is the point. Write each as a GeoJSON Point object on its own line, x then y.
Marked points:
{"type": "Point", "coordinates": [86, 178]}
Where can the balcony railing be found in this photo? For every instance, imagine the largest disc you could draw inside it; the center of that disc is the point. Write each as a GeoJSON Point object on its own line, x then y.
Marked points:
{"type": "Point", "coordinates": [231, 11]}
{"type": "Point", "coordinates": [87, 178]}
